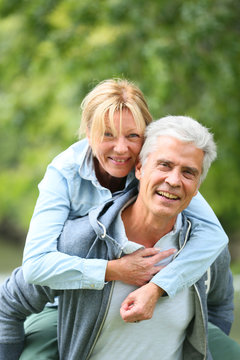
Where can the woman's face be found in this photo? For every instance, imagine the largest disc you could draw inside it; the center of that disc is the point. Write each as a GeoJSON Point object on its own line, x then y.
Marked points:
{"type": "Point", "coordinates": [117, 154]}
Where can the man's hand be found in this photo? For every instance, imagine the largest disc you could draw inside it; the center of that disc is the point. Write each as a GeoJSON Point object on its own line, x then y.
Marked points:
{"type": "Point", "coordinates": [137, 268]}
{"type": "Point", "coordinates": [140, 304]}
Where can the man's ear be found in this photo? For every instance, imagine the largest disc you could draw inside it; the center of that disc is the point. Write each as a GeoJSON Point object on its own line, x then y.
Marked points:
{"type": "Point", "coordinates": [138, 169]}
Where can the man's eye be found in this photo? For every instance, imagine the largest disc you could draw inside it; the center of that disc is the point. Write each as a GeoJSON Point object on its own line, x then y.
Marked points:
{"type": "Point", "coordinates": [164, 166]}
{"type": "Point", "coordinates": [188, 174]}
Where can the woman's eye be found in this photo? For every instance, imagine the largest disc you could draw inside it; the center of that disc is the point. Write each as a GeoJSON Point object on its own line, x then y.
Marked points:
{"type": "Point", "coordinates": [108, 134]}
{"type": "Point", "coordinates": [133, 136]}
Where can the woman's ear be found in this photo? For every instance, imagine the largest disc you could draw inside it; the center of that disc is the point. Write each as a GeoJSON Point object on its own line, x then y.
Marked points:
{"type": "Point", "coordinates": [138, 170]}
{"type": "Point", "coordinates": [88, 135]}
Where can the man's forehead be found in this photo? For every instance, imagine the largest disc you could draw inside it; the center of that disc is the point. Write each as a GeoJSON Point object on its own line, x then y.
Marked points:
{"type": "Point", "coordinates": [170, 150]}
{"type": "Point", "coordinates": [166, 143]}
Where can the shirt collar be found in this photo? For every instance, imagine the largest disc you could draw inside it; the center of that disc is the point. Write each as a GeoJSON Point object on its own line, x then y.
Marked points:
{"type": "Point", "coordinates": [86, 169]}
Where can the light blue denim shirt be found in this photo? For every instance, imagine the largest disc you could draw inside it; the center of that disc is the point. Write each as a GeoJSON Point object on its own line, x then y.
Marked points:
{"type": "Point", "coordinates": [69, 190]}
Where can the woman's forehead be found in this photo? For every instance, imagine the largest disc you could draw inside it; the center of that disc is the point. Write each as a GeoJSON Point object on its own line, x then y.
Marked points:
{"type": "Point", "coordinates": [121, 122]}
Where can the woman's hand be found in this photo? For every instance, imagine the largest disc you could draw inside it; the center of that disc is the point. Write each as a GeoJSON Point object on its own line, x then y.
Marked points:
{"type": "Point", "coordinates": [137, 268]}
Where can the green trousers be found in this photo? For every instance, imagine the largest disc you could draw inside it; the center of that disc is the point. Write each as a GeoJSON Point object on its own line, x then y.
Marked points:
{"type": "Point", "coordinates": [41, 336]}
{"type": "Point", "coordinates": [221, 346]}
{"type": "Point", "coordinates": [41, 339]}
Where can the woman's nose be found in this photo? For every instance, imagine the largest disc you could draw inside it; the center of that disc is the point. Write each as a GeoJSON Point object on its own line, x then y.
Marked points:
{"type": "Point", "coordinates": [120, 145]}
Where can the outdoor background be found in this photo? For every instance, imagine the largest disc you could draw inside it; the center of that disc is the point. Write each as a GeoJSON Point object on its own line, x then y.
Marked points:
{"type": "Point", "coordinates": [184, 55]}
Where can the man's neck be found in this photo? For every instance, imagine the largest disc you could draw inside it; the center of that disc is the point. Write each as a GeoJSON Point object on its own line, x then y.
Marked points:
{"type": "Point", "coordinates": [144, 228]}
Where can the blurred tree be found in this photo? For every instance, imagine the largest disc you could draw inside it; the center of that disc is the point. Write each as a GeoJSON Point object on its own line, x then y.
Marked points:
{"type": "Point", "coordinates": [184, 55]}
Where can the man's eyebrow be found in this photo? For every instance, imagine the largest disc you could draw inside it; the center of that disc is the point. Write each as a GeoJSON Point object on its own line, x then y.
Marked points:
{"type": "Point", "coordinates": [166, 161]}
{"type": "Point", "coordinates": [191, 169]}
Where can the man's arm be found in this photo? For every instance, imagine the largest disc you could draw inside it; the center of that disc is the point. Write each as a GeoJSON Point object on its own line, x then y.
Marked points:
{"type": "Point", "coordinates": [140, 304]}
{"type": "Point", "coordinates": [18, 299]}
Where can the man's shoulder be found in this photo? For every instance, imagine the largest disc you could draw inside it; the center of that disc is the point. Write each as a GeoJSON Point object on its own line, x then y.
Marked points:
{"type": "Point", "coordinates": [99, 218]}
{"type": "Point", "coordinates": [76, 234]}
{"type": "Point", "coordinates": [222, 262]}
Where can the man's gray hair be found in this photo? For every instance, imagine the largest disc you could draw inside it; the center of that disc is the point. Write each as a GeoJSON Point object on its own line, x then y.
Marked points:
{"type": "Point", "coordinates": [184, 129]}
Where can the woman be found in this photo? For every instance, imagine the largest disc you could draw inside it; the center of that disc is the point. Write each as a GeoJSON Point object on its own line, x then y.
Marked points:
{"type": "Point", "coordinates": [95, 169]}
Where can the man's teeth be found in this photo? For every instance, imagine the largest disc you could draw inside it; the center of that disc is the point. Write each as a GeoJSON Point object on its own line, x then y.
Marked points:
{"type": "Point", "coordinates": [167, 195]}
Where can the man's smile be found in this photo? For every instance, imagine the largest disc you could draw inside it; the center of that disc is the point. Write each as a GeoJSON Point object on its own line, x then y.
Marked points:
{"type": "Point", "coordinates": [168, 195]}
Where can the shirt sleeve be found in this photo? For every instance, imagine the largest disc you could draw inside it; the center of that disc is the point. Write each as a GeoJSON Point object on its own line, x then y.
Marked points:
{"type": "Point", "coordinates": [43, 264]}
{"type": "Point", "coordinates": [207, 240]}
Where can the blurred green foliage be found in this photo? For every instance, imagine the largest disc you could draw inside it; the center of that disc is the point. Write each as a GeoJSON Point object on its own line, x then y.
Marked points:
{"type": "Point", "coordinates": [184, 55]}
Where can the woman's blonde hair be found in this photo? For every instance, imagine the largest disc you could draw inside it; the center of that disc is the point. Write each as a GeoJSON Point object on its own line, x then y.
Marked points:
{"type": "Point", "coordinates": [104, 100]}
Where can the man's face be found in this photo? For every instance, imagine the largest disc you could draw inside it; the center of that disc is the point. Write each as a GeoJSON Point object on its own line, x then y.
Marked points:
{"type": "Point", "coordinates": [170, 177]}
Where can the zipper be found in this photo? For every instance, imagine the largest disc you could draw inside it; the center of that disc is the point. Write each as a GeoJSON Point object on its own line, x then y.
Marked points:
{"type": "Point", "coordinates": [104, 317]}
{"type": "Point", "coordinates": [200, 303]}
{"type": "Point", "coordinates": [195, 287]}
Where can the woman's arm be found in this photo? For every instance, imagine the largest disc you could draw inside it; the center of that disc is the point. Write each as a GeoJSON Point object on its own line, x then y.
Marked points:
{"type": "Point", "coordinates": [206, 242]}
{"type": "Point", "coordinates": [53, 254]}
{"type": "Point", "coordinates": [43, 264]}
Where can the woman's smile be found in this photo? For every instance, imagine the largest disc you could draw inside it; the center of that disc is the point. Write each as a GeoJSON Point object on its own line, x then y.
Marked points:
{"type": "Point", "coordinates": [117, 152]}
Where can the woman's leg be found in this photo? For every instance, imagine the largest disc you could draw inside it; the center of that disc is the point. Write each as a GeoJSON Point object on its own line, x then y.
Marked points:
{"type": "Point", "coordinates": [41, 336]}
{"type": "Point", "coordinates": [221, 346]}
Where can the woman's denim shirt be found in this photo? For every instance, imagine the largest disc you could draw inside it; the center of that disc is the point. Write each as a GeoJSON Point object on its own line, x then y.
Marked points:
{"type": "Point", "coordinates": [69, 190]}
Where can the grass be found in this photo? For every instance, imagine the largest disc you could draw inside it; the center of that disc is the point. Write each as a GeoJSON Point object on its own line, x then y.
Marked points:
{"type": "Point", "coordinates": [235, 267]}
{"type": "Point", "coordinates": [10, 256]}
{"type": "Point", "coordinates": [235, 331]}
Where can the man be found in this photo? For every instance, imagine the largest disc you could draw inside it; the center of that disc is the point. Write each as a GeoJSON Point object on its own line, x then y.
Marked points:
{"type": "Point", "coordinates": [174, 160]}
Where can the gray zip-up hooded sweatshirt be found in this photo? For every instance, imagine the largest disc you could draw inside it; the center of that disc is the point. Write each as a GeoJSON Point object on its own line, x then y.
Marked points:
{"type": "Point", "coordinates": [82, 312]}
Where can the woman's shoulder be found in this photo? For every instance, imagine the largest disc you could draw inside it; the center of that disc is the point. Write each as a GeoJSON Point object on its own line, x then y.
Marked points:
{"type": "Point", "coordinates": [72, 157]}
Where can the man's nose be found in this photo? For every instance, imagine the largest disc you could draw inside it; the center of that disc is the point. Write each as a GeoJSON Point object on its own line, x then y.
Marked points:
{"type": "Point", "coordinates": [174, 178]}
{"type": "Point", "coordinates": [120, 145]}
